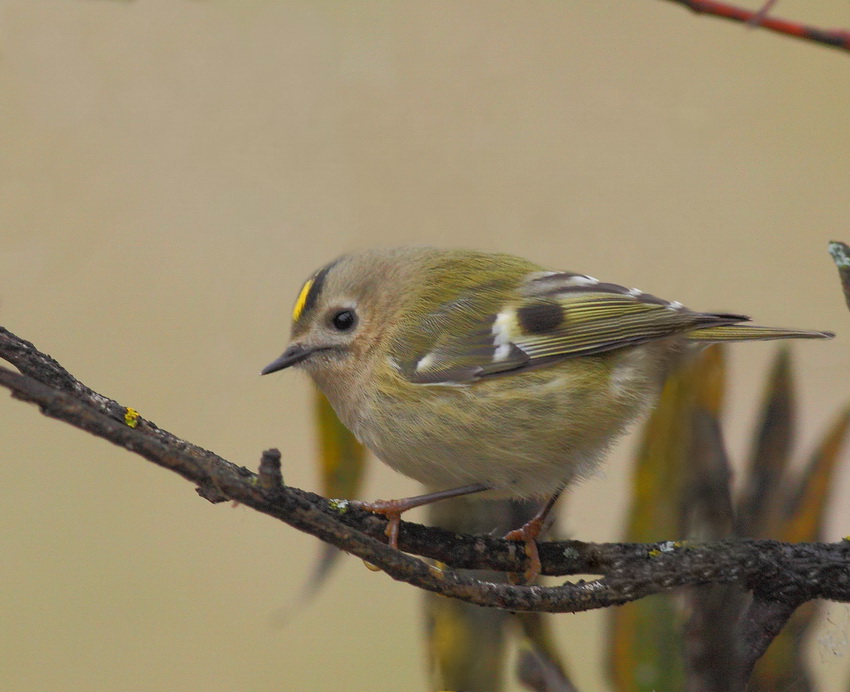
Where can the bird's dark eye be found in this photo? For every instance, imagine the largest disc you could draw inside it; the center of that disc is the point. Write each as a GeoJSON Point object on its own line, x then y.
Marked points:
{"type": "Point", "coordinates": [344, 320]}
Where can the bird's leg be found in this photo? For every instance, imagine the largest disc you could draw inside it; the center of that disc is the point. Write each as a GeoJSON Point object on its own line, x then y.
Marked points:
{"type": "Point", "coordinates": [393, 509]}
{"type": "Point", "coordinates": [528, 534]}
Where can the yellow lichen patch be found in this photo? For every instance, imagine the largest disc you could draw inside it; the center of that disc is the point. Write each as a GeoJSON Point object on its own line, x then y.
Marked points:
{"type": "Point", "coordinates": [131, 417]}
{"type": "Point", "coordinates": [341, 506]}
{"type": "Point", "coordinates": [301, 301]}
{"type": "Point", "coordinates": [437, 572]}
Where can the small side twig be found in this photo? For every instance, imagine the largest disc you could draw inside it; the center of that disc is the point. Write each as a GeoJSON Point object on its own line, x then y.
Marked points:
{"type": "Point", "coordinates": [760, 623]}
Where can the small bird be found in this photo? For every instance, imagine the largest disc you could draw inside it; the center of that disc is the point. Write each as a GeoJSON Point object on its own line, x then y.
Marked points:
{"type": "Point", "coordinates": [486, 373]}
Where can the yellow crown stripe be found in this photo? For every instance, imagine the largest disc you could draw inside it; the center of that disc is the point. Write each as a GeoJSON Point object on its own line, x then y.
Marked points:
{"type": "Point", "coordinates": [302, 299]}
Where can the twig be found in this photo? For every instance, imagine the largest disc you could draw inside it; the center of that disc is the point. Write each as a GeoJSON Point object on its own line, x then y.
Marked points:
{"type": "Point", "coordinates": [835, 38]}
{"type": "Point", "coordinates": [790, 573]}
{"type": "Point", "coordinates": [841, 256]}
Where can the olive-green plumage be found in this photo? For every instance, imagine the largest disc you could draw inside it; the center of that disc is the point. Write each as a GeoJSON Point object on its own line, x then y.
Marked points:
{"type": "Point", "coordinates": [458, 367]}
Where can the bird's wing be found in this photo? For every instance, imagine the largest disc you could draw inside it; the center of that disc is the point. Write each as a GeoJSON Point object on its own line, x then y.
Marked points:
{"type": "Point", "coordinates": [550, 317]}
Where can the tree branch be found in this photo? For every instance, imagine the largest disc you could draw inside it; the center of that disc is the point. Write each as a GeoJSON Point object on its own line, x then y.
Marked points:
{"type": "Point", "coordinates": [834, 38]}
{"type": "Point", "coordinates": [776, 572]}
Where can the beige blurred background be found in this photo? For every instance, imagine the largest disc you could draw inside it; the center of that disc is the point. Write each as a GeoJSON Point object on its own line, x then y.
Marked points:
{"type": "Point", "coordinates": [170, 171]}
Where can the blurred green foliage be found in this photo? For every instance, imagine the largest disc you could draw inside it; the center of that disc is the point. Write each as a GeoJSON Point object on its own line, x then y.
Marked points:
{"type": "Point", "coordinates": [682, 490]}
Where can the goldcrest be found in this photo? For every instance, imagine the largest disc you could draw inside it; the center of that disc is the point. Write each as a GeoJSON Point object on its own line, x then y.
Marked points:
{"type": "Point", "coordinates": [476, 372]}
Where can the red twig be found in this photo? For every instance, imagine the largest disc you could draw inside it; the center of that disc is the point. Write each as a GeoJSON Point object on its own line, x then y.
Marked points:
{"type": "Point", "coordinates": [836, 38]}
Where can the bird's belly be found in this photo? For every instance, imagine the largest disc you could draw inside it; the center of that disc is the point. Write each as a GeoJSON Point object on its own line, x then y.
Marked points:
{"type": "Point", "coordinates": [524, 442]}
{"type": "Point", "coordinates": [443, 467]}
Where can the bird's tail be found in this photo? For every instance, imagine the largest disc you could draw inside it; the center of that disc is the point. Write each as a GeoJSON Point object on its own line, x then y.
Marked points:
{"type": "Point", "coordinates": [747, 332]}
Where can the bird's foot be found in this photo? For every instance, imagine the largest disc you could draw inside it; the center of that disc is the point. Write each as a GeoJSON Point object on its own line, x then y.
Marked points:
{"type": "Point", "coordinates": [528, 533]}
{"type": "Point", "coordinates": [392, 511]}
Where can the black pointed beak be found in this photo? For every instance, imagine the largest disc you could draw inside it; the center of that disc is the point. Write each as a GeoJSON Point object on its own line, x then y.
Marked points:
{"type": "Point", "coordinates": [292, 355]}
